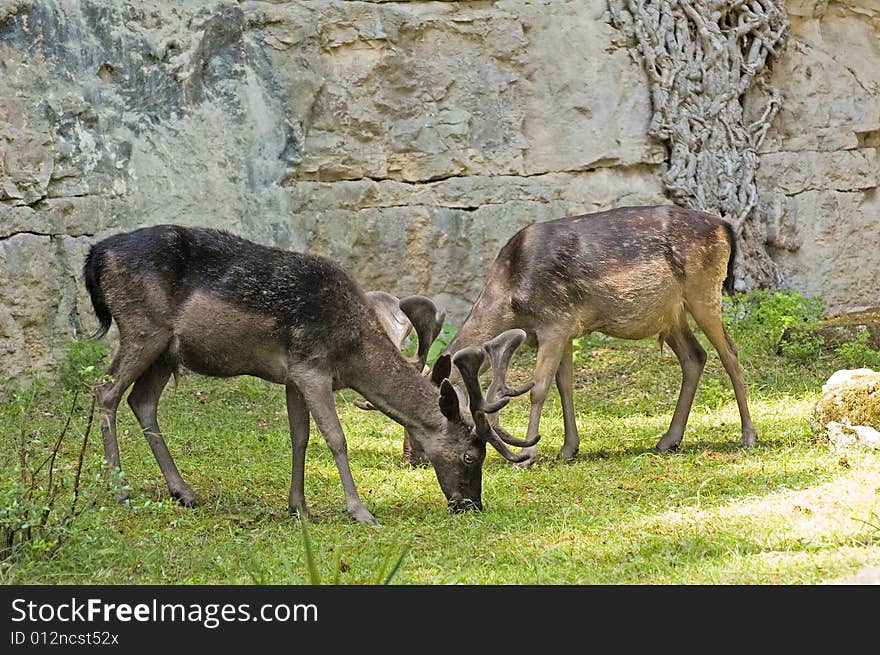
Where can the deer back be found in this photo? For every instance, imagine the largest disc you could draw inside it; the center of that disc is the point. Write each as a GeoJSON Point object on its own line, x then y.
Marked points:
{"type": "Point", "coordinates": [626, 272]}
{"type": "Point", "coordinates": [233, 306]}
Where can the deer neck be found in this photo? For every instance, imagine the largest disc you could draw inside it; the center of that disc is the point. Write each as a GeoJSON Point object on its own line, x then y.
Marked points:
{"type": "Point", "coordinates": [489, 317]}
{"type": "Point", "coordinates": [395, 387]}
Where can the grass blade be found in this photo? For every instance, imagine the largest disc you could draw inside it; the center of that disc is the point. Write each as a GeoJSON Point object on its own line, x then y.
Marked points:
{"type": "Point", "coordinates": [337, 560]}
{"type": "Point", "coordinates": [314, 575]}
{"type": "Point", "coordinates": [396, 566]}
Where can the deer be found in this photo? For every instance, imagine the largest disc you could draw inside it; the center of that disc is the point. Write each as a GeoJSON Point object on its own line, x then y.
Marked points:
{"type": "Point", "coordinates": [629, 273]}
{"type": "Point", "coordinates": [222, 306]}
{"type": "Point", "coordinates": [393, 319]}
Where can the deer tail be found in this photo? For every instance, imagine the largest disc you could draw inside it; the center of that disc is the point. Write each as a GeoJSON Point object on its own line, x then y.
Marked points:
{"type": "Point", "coordinates": [92, 272]}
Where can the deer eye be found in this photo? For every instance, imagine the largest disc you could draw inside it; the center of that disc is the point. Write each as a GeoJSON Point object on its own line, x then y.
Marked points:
{"type": "Point", "coordinates": [468, 459]}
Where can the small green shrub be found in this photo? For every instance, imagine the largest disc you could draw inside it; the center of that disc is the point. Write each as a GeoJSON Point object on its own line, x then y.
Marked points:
{"type": "Point", "coordinates": [714, 392]}
{"type": "Point", "coordinates": [802, 346]}
{"type": "Point", "coordinates": [83, 363]}
{"type": "Point", "coordinates": [759, 318]}
{"type": "Point", "coordinates": [858, 354]}
{"type": "Point", "coordinates": [447, 334]}
{"type": "Point", "coordinates": [49, 483]}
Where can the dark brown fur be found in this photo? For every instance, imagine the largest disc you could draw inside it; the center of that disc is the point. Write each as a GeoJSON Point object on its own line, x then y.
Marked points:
{"type": "Point", "coordinates": [223, 306]}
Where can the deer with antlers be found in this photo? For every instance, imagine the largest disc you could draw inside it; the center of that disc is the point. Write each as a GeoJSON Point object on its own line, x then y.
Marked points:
{"type": "Point", "coordinates": [223, 306]}
{"type": "Point", "coordinates": [630, 273]}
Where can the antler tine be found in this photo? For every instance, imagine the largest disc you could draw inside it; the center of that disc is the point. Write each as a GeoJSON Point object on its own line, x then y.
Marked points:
{"type": "Point", "coordinates": [508, 438]}
{"type": "Point", "coordinates": [427, 322]}
{"type": "Point", "coordinates": [498, 444]}
{"type": "Point", "coordinates": [468, 361]}
{"type": "Point", "coordinates": [500, 350]}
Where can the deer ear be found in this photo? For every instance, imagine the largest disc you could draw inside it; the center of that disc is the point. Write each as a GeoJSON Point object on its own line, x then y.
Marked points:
{"type": "Point", "coordinates": [449, 401]}
{"type": "Point", "coordinates": [426, 321]}
{"type": "Point", "coordinates": [392, 319]}
{"type": "Point", "coordinates": [442, 369]}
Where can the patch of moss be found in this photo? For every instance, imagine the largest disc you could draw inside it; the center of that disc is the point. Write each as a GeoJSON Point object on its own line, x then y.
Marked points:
{"type": "Point", "coordinates": [857, 401]}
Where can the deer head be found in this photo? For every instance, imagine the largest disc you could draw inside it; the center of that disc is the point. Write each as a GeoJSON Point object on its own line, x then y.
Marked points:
{"type": "Point", "coordinates": [457, 457]}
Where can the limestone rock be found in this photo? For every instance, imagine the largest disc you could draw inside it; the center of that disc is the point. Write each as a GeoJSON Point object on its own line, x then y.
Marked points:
{"type": "Point", "coordinates": [852, 326]}
{"type": "Point", "coordinates": [38, 301]}
{"type": "Point", "coordinates": [830, 83]}
{"type": "Point", "coordinates": [26, 164]}
{"type": "Point", "coordinates": [819, 168]}
{"type": "Point", "coordinates": [840, 170]}
{"type": "Point", "coordinates": [852, 398]}
{"type": "Point", "coordinates": [846, 377]}
{"type": "Point", "coordinates": [817, 234]}
{"type": "Point", "coordinates": [407, 140]}
{"type": "Point", "coordinates": [844, 436]}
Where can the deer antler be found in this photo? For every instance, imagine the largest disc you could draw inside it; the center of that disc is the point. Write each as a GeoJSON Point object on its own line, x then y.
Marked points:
{"type": "Point", "coordinates": [500, 350]}
{"type": "Point", "coordinates": [426, 320]}
{"type": "Point", "coordinates": [394, 322]}
{"type": "Point", "coordinates": [422, 315]}
{"type": "Point", "coordinates": [469, 361]}
{"type": "Point", "coordinates": [392, 319]}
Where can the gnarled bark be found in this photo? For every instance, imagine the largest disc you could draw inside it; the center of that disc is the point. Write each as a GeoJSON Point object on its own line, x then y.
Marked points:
{"type": "Point", "coordinates": [703, 58]}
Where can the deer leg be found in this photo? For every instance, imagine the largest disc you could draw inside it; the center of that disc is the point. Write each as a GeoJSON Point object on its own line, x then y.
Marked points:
{"type": "Point", "coordinates": [133, 358]}
{"type": "Point", "coordinates": [565, 385]}
{"type": "Point", "coordinates": [709, 320]}
{"type": "Point", "coordinates": [319, 397]}
{"type": "Point", "coordinates": [692, 358]}
{"type": "Point", "coordinates": [144, 402]}
{"type": "Point", "coordinates": [298, 418]}
{"type": "Point", "coordinates": [550, 350]}
{"type": "Point", "coordinates": [413, 454]}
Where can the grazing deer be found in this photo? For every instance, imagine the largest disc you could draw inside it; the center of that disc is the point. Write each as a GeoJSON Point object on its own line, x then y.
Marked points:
{"type": "Point", "coordinates": [630, 273]}
{"type": "Point", "coordinates": [223, 306]}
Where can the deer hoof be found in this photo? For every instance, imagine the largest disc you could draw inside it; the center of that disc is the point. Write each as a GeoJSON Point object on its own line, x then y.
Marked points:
{"type": "Point", "coordinates": [667, 444]}
{"type": "Point", "coordinates": [566, 456]}
{"type": "Point", "coordinates": [527, 463]}
{"type": "Point", "coordinates": [185, 497]}
{"type": "Point", "coordinates": [749, 438]}
{"type": "Point", "coordinates": [362, 515]}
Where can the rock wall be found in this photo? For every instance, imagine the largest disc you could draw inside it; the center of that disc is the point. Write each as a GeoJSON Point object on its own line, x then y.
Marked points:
{"type": "Point", "coordinates": [820, 167]}
{"type": "Point", "coordinates": [406, 140]}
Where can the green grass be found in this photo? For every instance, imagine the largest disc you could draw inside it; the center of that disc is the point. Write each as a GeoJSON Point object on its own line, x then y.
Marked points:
{"type": "Point", "coordinates": [791, 510]}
